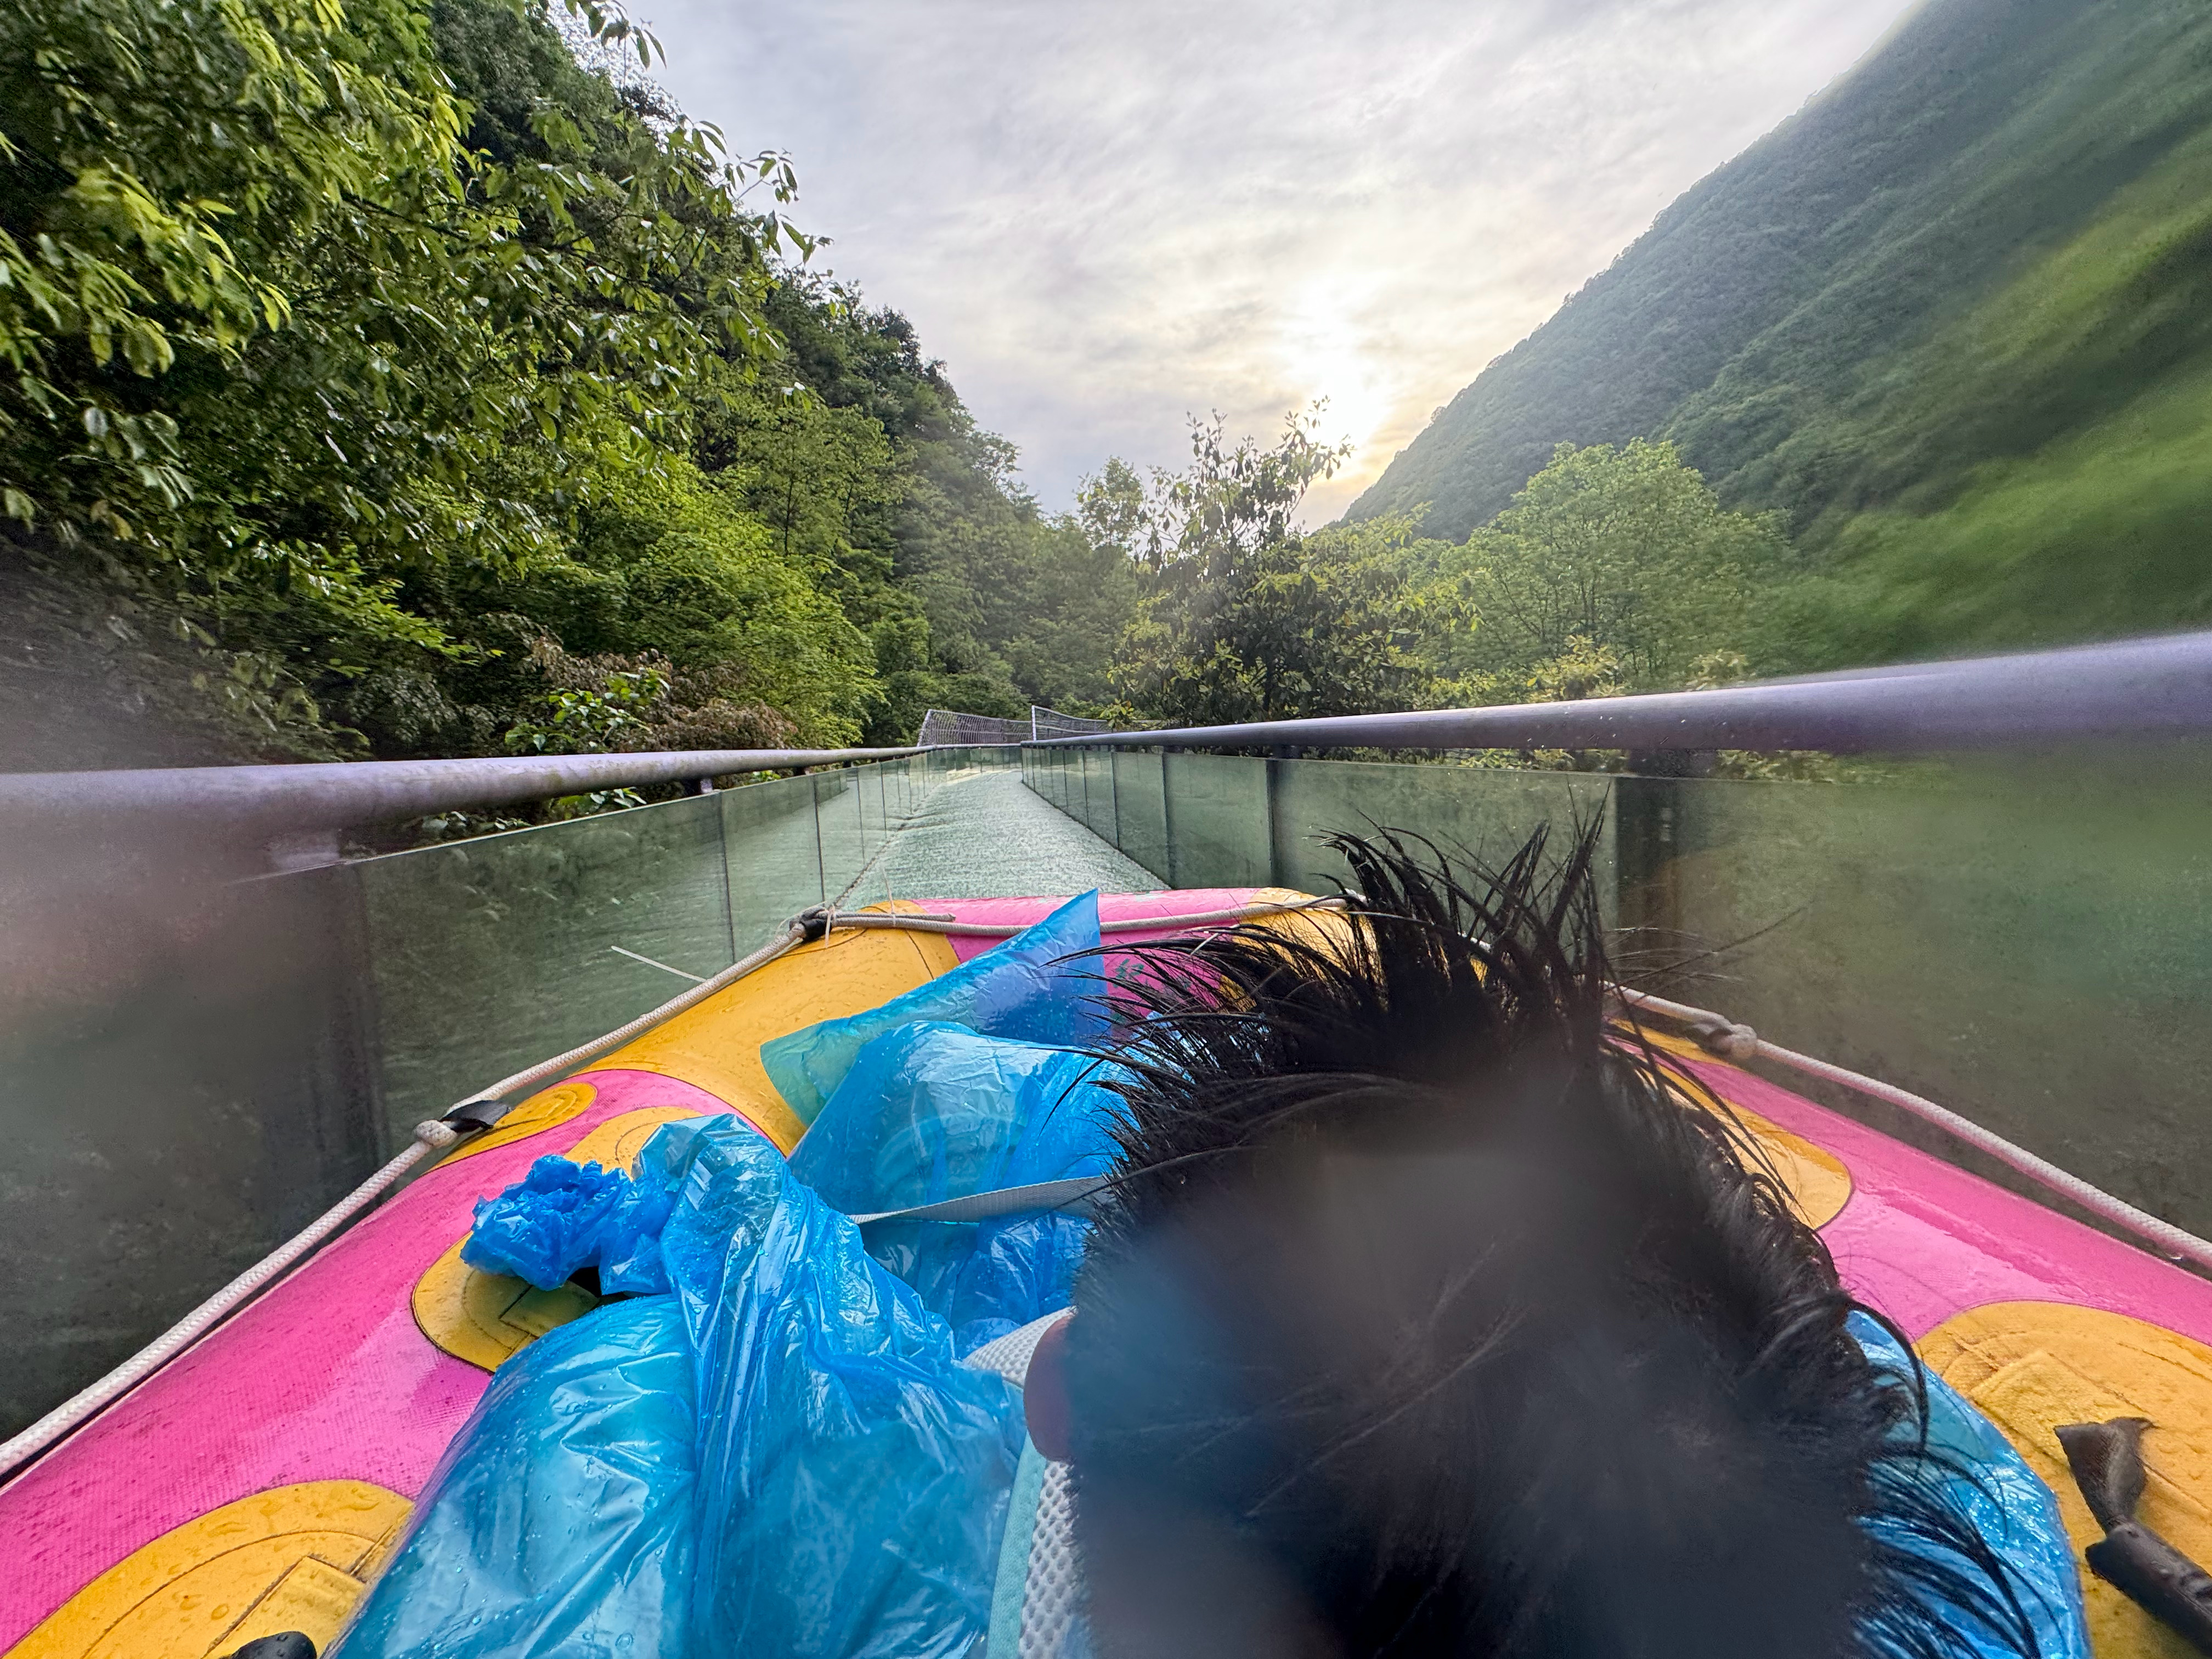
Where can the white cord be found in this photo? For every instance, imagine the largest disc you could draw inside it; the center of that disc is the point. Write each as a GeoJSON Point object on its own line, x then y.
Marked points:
{"type": "Point", "coordinates": [1721, 1035]}
{"type": "Point", "coordinates": [436, 1135]}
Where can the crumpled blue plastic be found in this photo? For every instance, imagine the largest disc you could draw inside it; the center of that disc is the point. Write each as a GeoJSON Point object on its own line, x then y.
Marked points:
{"type": "Point", "coordinates": [562, 1216]}
{"type": "Point", "coordinates": [929, 1111]}
{"type": "Point", "coordinates": [2007, 1503]}
{"type": "Point", "coordinates": [832, 1411]}
{"type": "Point", "coordinates": [1028, 987]}
{"type": "Point", "coordinates": [784, 1447]}
{"type": "Point", "coordinates": [560, 1519]}
{"type": "Point", "coordinates": [933, 1110]}
{"type": "Point", "coordinates": [1013, 1270]}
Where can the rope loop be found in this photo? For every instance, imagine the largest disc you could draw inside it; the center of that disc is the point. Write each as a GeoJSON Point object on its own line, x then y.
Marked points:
{"type": "Point", "coordinates": [1727, 1039]}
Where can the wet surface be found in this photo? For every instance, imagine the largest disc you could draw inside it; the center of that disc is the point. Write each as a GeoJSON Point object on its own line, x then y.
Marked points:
{"type": "Point", "coordinates": [986, 835]}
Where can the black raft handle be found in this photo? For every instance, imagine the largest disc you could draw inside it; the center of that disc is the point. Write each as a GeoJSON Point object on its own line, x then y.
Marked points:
{"type": "Point", "coordinates": [2106, 1458]}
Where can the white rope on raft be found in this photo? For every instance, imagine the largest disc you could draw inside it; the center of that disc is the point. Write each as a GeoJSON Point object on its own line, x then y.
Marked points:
{"type": "Point", "coordinates": [1718, 1035]}
{"type": "Point", "coordinates": [438, 1133]}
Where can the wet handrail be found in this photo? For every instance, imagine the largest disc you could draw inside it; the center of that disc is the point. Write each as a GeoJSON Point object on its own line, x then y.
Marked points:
{"type": "Point", "coordinates": [2134, 688]}
{"type": "Point", "coordinates": [323, 796]}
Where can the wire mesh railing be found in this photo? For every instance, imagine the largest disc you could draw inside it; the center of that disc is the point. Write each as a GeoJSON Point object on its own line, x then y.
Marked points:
{"type": "Point", "coordinates": [1049, 723]}
{"type": "Point", "coordinates": [951, 726]}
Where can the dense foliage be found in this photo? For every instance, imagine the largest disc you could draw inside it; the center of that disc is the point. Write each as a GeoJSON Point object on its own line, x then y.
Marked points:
{"type": "Point", "coordinates": [1614, 569]}
{"type": "Point", "coordinates": [1952, 318]}
{"type": "Point", "coordinates": [384, 380]}
{"type": "Point", "coordinates": [1623, 551]}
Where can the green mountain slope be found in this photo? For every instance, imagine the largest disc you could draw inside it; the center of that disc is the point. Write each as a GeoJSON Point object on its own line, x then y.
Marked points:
{"type": "Point", "coordinates": [1952, 317]}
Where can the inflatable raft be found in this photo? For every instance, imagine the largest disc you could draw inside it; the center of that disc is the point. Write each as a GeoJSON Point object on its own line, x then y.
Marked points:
{"type": "Point", "coordinates": [257, 1483]}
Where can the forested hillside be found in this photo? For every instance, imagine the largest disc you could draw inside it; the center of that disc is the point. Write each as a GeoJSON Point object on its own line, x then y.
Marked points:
{"type": "Point", "coordinates": [405, 379]}
{"type": "Point", "coordinates": [1954, 319]}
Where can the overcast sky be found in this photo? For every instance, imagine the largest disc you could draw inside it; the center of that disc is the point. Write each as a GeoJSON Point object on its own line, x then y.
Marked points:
{"type": "Point", "coordinates": [1107, 216]}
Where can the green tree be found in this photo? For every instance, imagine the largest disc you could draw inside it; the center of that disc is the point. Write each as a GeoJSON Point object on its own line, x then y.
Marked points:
{"type": "Point", "coordinates": [972, 597]}
{"type": "Point", "coordinates": [1072, 598]}
{"type": "Point", "coordinates": [292, 330]}
{"type": "Point", "coordinates": [377, 378]}
{"type": "Point", "coordinates": [1623, 553]}
{"type": "Point", "coordinates": [1243, 618]}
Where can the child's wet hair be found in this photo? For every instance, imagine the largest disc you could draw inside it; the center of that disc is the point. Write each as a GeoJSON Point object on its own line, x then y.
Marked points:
{"type": "Point", "coordinates": [1430, 1315]}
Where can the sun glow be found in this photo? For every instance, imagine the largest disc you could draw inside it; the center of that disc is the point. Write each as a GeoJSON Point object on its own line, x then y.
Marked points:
{"type": "Point", "coordinates": [1323, 353]}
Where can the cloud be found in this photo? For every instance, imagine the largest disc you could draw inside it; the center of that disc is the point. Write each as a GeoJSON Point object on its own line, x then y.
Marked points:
{"type": "Point", "coordinates": [1107, 218]}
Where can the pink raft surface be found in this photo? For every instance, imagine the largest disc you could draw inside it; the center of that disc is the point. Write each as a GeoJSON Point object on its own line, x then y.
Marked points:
{"type": "Point", "coordinates": [326, 1377]}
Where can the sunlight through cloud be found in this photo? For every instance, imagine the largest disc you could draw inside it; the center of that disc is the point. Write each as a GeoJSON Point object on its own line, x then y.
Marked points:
{"type": "Point", "coordinates": [1106, 220]}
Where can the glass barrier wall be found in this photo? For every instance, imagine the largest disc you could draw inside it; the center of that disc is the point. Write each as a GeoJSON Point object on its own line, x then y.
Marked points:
{"type": "Point", "coordinates": [489, 954]}
{"type": "Point", "coordinates": [2028, 942]}
{"type": "Point", "coordinates": [197, 1057]}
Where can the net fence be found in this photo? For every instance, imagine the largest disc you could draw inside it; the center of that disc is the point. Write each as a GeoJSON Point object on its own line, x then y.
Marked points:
{"type": "Point", "coordinates": [1051, 723]}
{"type": "Point", "coordinates": [941, 728]}
{"type": "Point", "coordinates": [944, 726]}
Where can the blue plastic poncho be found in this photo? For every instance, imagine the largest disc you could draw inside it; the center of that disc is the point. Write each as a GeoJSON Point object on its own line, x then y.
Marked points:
{"type": "Point", "coordinates": [935, 1110]}
{"type": "Point", "coordinates": [1038, 986]}
{"type": "Point", "coordinates": [560, 1519]}
{"type": "Point", "coordinates": [853, 1476]}
{"type": "Point", "coordinates": [2007, 1503]}
{"type": "Point", "coordinates": [780, 1456]}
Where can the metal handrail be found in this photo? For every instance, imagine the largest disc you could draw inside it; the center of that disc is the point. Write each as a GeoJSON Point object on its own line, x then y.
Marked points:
{"type": "Point", "coordinates": [307, 798]}
{"type": "Point", "coordinates": [2149, 688]}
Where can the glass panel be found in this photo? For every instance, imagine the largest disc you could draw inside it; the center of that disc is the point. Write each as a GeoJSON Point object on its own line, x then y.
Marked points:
{"type": "Point", "coordinates": [1217, 814]}
{"type": "Point", "coordinates": [1140, 803]}
{"type": "Point", "coordinates": [186, 1084]}
{"type": "Point", "coordinates": [2028, 948]}
{"type": "Point", "coordinates": [774, 859]}
{"type": "Point", "coordinates": [1472, 813]}
{"type": "Point", "coordinates": [489, 954]}
{"type": "Point", "coordinates": [1079, 787]}
{"type": "Point", "coordinates": [2025, 944]}
{"type": "Point", "coordinates": [878, 878]}
{"type": "Point", "coordinates": [837, 810]}
{"type": "Point", "coordinates": [875, 815]}
{"type": "Point", "coordinates": [1098, 792]}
